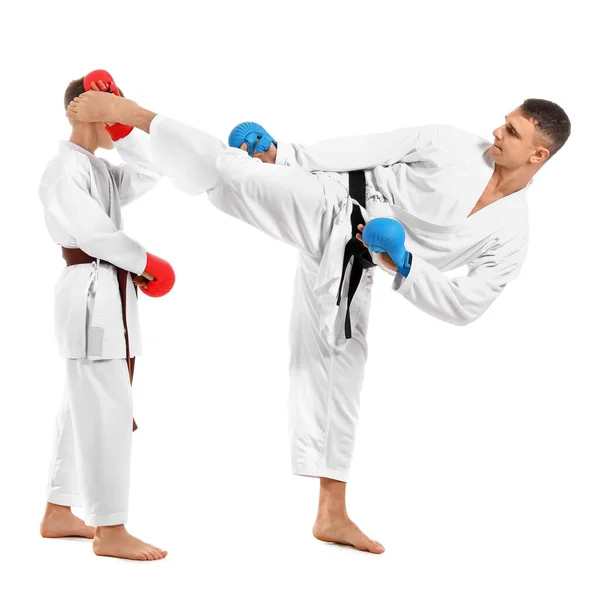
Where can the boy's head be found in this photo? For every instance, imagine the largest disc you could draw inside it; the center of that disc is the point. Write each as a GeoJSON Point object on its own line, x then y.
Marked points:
{"type": "Point", "coordinates": [103, 139]}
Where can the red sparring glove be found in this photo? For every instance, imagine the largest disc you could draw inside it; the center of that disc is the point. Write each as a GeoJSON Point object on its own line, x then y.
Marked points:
{"type": "Point", "coordinates": [116, 131]}
{"type": "Point", "coordinates": [164, 276]}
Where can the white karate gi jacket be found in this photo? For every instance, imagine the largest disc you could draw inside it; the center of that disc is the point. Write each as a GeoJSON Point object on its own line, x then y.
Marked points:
{"type": "Point", "coordinates": [428, 178]}
{"type": "Point", "coordinates": [82, 196]}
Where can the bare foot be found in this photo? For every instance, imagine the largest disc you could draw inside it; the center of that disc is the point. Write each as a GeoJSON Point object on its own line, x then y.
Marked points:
{"type": "Point", "coordinates": [97, 106]}
{"type": "Point", "coordinates": [336, 529]}
{"type": "Point", "coordinates": [333, 525]}
{"type": "Point", "coordinates": [59, 521]}
{"type": "Point", "coordinates": [115, 541]}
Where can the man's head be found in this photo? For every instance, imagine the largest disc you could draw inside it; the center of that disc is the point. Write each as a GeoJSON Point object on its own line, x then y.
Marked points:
{"type": "Point", "coordinates": [532, 134]}
{"type": "Point", "coordinates": [98, 130]}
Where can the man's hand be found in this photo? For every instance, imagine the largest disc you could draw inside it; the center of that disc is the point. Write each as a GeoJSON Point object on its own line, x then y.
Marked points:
{"type": "Point", "coordinates": [383, 257]}
{"type": "Point", "coordinates": [143, 279]}
{"type": "Point", "coordinates": [255, 140]}
{"type": "Point", "coordinates": [270, 156]}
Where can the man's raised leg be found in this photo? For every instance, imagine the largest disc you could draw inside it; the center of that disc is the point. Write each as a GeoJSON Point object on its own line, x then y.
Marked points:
{"type": "Point", "coordinates": [287, 203]}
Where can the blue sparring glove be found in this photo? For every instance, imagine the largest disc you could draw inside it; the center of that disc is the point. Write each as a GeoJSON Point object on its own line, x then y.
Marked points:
{"type": "Point", "coordinates": [255, 136]}
{"type": "Point", "coordinates": [387, 235]}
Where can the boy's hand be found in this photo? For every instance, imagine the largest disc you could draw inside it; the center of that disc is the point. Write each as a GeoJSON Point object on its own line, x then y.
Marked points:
{"type": "Point", "coordinates": [98, 86]}
{"type": "Point", "coordinates": [143, 279]}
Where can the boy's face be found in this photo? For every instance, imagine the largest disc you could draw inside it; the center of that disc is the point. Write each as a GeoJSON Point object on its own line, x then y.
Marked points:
{"type": "Point", "coordinates": [104, 139]}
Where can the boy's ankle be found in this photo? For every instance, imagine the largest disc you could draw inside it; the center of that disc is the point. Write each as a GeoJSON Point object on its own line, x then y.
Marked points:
{"type": "Point", "coordinates": [109, 530]}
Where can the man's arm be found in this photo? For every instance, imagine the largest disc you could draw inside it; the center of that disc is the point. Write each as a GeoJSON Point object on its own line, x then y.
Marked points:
{"type": "Point", "coordinates": [462, 300]}
{"type": "Point", "coordinates": [360, 152]}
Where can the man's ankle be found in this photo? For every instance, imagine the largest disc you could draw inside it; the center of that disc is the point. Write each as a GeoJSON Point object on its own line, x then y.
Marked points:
{"type": "Point", "coordinates": [55, 507]}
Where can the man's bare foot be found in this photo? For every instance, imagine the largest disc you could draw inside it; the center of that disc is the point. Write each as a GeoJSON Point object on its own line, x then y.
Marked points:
{"type": "Point", "coordinates": [115, 541]}
{"type": "Point", "coordinates": [59, 522]}
{"type": "Point", "coordinates": [97, 106]}
{"type": "Point", "coordinates": [336, 529]}
{"type": "Point", "coordinates": [333, 524]}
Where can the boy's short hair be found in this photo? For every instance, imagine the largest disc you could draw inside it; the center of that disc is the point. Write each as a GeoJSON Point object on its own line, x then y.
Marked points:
{"type": "Point", "coordinates": [74, 89]}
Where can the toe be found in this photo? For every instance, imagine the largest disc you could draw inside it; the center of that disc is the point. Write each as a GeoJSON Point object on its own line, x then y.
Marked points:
{"type": "Point", "coordinates": [161, 552]}
{"type": "Point", "coordinates": [376, 547]}
{"type": "Point", "coordinates": [158, 550]}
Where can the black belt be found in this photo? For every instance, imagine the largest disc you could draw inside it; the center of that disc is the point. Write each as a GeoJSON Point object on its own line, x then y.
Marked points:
{"type": "Point", "coordinates": [354, 247]}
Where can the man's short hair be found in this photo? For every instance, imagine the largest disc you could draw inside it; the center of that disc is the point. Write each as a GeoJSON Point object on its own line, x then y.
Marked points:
{"type": "Point", "coordinates": [552, 122]}
{"type": "Point", "coordinates": [74, 89]}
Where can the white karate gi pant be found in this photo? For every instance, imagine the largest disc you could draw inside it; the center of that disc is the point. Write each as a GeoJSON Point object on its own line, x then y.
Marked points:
{"type": "Point", "coordinates": [325, 381]}
{"type": "Point", "coordinates": [299, 208]}
{"type": "Point", "coordinates": [92, 444]}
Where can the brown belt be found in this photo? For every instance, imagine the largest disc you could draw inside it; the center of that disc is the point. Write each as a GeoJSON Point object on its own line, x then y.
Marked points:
{"type": "Point", "coordinates": [75, 256]}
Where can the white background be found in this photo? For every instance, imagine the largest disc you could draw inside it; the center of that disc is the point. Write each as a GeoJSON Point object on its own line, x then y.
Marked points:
{"type": "Point", "coordinates": [478, 455]}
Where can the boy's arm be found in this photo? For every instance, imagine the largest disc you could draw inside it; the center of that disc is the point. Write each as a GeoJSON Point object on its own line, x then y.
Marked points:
{"type": "Point", "coordinates": [136, 176]}
{"type": "Point", "coordinates": [69, 202]}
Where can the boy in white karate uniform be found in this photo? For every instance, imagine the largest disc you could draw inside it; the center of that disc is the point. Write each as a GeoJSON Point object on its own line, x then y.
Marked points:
{"type": "Point", "coordinates": [97, 329]}
{"type": "Point", "coordinates": [460, 199]}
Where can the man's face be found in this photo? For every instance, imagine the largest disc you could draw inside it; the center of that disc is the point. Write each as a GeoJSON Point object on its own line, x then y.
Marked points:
{"type": "Point", "coordinates": [104, 139]}
{"type": "Point", "coordinates": [517, 143]}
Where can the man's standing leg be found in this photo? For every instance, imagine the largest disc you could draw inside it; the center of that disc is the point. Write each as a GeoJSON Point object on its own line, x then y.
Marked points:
{"type": "Point", "coordinates": [298, 208]}
{"type": "Point", "coordinates": [325, 386]}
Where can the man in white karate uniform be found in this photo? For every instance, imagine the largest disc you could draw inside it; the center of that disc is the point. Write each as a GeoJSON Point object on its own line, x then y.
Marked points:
{"type": "Point", "coordinates": [97, 329]}
{"type": "Point", "coordinates": [460, 199]}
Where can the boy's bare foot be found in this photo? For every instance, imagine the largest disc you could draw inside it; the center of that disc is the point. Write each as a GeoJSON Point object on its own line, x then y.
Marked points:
{"type": "Point", "coordinates": [115, 541]}
{"type": "Point", "coordinates": [59, 521]}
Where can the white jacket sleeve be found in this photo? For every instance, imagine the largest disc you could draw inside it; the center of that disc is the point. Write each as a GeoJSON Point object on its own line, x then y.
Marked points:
{"type": "Point", "coordinates": [137, 176]}
{"type": "Point", "coordinates": [185, 154]}
{"type": "Point", "coordinates": [68, 201]}
{"type": "Point", "coordinates": [462, 300]}
{"type": "Point", "coordinates": [362, 152]}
